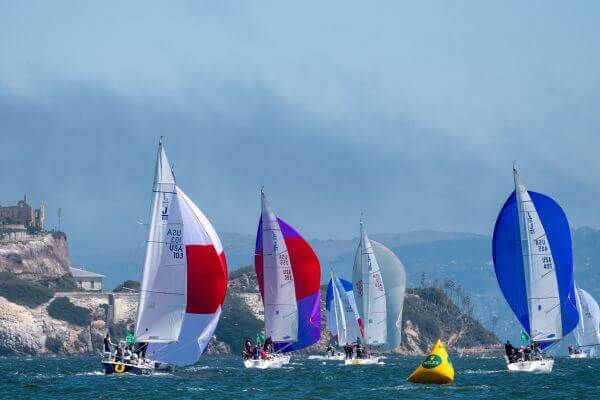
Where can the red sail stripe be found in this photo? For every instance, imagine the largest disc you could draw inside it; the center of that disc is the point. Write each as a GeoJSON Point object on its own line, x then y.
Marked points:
{"type": "Point", "coordinates": [206, 279]}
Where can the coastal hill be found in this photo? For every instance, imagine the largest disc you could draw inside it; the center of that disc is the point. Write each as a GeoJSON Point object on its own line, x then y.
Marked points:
{"type": "Point", "coordinates": [429, 314]}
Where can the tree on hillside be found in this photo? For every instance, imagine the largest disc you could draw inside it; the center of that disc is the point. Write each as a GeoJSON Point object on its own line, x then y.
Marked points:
{"type": "Point", "coordinates": [128, 286]}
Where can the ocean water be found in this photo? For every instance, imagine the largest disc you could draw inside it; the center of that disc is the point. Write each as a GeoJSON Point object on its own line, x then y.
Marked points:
{"type": "Point", "coordinates": [223, 377]}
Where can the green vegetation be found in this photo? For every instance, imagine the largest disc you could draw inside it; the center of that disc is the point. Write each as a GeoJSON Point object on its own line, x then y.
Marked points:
{"type": "Point", "coordinates": [26, 293]}
{"type": "Point", "coordinates": [128, 286]}
{"type": "Point", "coordinates": [237, 323]}
{"type": "Point", "coordinates": [119, 331]}
{"type": "Point", "coordinates": [435, 315]}
{"type": "Point", "coordinates": [59, 235]}
{"type": "Point", "coordinates": [62, 308]}
{"type": "Point", "coordinates": [65, 283]}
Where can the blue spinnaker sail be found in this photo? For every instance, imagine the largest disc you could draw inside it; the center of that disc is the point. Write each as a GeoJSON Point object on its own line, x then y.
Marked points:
{"type": "Point", "coordinates": [508, 258]}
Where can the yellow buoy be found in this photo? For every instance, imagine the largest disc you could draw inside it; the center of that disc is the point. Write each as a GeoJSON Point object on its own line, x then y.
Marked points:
{"type": "Point", "coordinates": [437, 367]}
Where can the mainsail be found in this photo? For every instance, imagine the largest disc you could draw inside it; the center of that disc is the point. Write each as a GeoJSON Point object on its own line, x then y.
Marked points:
{"type": "Point", "coordinates": [162, 295]}
{"type": "Point", "coordinates": [394, 276]}
{"type": "Point", "coordinates": [206, 287]}
{"type": "Point", "coordinates": [534, 264]}
{"type": "Point", "coordinates": [588, 329]}
{"type": "Point", "coordinates": [342, 314]}
{"type": "Point", "coordinates": [370, 292]}
{"type": "Point", "coordinates": [289, 275]}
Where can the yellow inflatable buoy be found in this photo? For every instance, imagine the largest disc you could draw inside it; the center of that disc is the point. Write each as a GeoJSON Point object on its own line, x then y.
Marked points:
{"type": "Point", "coordinates": [119, 368]}
{"type": "Point", "coordinates": [436, 368]}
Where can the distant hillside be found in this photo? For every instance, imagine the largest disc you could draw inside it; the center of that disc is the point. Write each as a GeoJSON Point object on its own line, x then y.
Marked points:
{"type": "Point", "coordinates": [429, 314]}
{"type": "Point", "coordinates": [427, 255]}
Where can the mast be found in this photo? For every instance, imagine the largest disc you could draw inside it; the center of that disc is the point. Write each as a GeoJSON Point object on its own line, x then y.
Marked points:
{"type": "Point", "coordinates": [162, 294]}
{"type": "Point", "coordinates": [281, 310]}
{"type": "Point", "coordinates": [371, 299]}
{"type": "Point", "coordinates": [539, 269]}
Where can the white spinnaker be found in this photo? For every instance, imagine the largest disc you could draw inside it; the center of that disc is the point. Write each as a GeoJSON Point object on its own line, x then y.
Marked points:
{"type": "Point", "coordinates": [281, 310]}
{"type": "Point", "coordinates": [540, 271]}
{"type": "Point", "coordinates": [587, 332]}
{"type": "Point", "coordinates": [369, 292]}
{"type": "Point", "coordinates": [394, 276]}
{"type": "Point", "coordinates": [197, 329]}
{"type": "Point", "coordinates": [345, 312]}
{"type": "Point", "coordinates": [162, 295]}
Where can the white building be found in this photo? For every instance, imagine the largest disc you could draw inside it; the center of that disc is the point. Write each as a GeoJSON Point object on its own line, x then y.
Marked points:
{"type": "Point", "coordinates": [87, 280]}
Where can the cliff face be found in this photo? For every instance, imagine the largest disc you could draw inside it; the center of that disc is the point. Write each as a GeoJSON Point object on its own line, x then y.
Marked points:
{"type": "Point", "coordinates": [36, 256]}
{"type": "Point", "coordinates": [429, 314]}
{"type": "Point", "coordinates": [33, 331]}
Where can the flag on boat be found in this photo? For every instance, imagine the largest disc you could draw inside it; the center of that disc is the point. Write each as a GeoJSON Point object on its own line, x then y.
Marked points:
{"type": "Point", "coordinates": [289, 275]}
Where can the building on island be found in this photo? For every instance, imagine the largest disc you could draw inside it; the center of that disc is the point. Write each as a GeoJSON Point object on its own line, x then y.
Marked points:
{"type": "Point", "coordinates": [22, 216]}
{"type": "Point", "coordinates": [87, 280]}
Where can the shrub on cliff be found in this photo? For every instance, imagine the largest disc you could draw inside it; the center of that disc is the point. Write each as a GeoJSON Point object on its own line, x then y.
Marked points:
{"type": "Point", "coordinates": [25, 293]}
{"type": "Point", "coordinates": [237, 323]}
{"type": "Point", "coordinates": [128, 286]}
{"type": "Point", "coordinates": [62, 308]}
{"type": "Point", "coordinates": [64, 283]}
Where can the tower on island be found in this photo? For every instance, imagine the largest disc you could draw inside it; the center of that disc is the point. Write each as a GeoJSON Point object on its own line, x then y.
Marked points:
{"type": "Point", "coordinates": [23, 216]}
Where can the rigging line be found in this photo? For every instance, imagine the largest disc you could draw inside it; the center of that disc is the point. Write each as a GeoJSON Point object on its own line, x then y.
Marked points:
{"type": "Point", "coordinates": [159, 292]}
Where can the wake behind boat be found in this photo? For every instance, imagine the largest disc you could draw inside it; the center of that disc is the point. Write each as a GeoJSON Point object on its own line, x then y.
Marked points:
{"type": "Point", "coordinates": [534, 267]}
{"type": "Point", "coordinates": [289, 275]}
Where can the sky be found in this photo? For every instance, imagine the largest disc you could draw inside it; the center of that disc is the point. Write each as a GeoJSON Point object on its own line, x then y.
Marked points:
{"type": "Point", "coordinates": [410, 113]}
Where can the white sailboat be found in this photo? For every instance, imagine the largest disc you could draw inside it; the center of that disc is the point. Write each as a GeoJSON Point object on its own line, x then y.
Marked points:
{"type": "Point", "coordinates": [281, 310]}
{"type": "Point", "coordinates": [533, 263]}
{"type": "Point", "coordinates": [184, 279]}
{"type": "Point", "coordinates": [379, 281]}
{"type": "Point", "coordinates": [289, 279]}
{"type": "Point", "coordinates": [342, 315]}
{"type": "Point", "coordinates": [587, 332]}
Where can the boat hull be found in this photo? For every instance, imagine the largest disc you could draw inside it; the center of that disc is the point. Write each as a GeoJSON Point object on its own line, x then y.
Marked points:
{"type": "Point", "coordinates": [535, 366]}
{"type": "Point", "coordinates": [337, 357]}
{"type": "Point", "coordinates": [362, 361]}
{"type": "Point", "coordinates": [267, 363]}
{"type": "Point", "coordinates": [117, 368]}
{"type": "Point", "coordinates": [580, 355]}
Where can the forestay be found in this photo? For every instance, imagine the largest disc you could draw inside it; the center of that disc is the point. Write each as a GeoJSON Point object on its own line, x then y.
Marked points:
{"type": "Point", "coordinates": [162, 294]}
{"type": "Point", "coordinates": [370, 292]}
{"type": "Point", "coordinates": [281, 310]}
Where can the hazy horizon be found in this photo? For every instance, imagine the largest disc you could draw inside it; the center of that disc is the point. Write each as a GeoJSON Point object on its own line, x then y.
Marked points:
{"type": "Point", "coordinates": [410, 113]}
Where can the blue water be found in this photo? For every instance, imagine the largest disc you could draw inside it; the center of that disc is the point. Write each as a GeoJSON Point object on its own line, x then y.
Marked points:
{"type": "Point", "coordinates": [219, 377]}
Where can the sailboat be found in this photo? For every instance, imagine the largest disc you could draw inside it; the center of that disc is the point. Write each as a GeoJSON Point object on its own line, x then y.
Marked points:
{"type": "Point", "coordinates": [184, 278]}
{"type": "Point", "coordinates": [342, 315]}
{"type": "Point", "coordinates": [587, 333]}
{"type": "Point", "coordinates": [533, 261]}
{"type": "Point", "coordinates": [289, 277]}
{"type": "Point", "coordinates": [379, 280]}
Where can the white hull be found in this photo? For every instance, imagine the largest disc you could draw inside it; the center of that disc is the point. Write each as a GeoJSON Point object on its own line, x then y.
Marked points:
{"type": "Point", "coordinates": [274, 361]}
{"type": "Point", "coordinates": [580, 355]}
{"type": "Point", "coordinates": [337, 357]}
{"type": "Point", "coordinates": [362, 361]}
{"type": "Point", "coordinates": [536, 366]}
